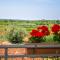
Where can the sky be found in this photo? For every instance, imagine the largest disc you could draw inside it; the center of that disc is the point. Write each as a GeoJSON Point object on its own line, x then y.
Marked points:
{"type": "Point", "coordinates": [30, 9]}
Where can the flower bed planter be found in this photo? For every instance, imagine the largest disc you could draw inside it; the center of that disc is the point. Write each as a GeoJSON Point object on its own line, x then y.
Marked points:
{"type": "Point", "coordinates": [39, 35]}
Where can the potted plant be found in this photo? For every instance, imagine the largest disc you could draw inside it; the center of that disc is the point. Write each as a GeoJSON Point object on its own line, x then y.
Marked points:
{"type": "Point", "coordinates": [38, 36]}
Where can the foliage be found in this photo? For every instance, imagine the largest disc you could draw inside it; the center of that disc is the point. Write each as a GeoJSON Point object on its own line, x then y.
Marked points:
{"type": "Point", "coordinates": [14, 37]}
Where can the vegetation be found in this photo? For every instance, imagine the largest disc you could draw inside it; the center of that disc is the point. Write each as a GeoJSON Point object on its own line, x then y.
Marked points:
{"type": "Point", "coordinates": [15, 37]}
{"type": "Point", "coordinates": [6, 26]}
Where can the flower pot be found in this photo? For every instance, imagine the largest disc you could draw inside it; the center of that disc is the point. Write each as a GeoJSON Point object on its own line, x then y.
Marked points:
{"type": "Point", "coordinates": [47, 51]}
{"type": "Point", "coordinates": [30, 51]}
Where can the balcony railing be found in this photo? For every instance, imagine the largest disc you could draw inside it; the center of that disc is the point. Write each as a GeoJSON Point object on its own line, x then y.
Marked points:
{"type": "Point", "coordinates": [55, 56]}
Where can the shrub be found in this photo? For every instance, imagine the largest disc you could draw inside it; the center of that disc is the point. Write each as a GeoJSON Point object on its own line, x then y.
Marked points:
{"type": "Point", "coordinates": [14, 37]}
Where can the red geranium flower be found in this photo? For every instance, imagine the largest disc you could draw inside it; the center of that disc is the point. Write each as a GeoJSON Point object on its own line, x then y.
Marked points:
{"type": "Point", "coordinates": [40, 34]}
{"type": "Point", "coordinates": [44, 29]}
{"type": "Point", "coordinates": [55, 28]}
{"type": "Point", "coordinates": [36, 33]}
{"type": "Point", "coordinates": [33, 33]}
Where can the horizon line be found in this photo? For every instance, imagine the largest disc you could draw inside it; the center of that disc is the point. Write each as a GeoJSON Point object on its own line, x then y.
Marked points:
{"type": "Point", "coordinates": [29, 19]}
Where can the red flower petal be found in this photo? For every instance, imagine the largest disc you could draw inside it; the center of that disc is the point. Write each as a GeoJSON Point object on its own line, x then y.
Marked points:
{"type": "Point", "coordinates": [55, 28]}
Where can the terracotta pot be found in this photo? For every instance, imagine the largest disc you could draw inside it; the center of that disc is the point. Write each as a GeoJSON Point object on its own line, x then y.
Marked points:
{"type": "Point", "coordinates": [30, 51]}
{"type": "Point", "coordinates": [43, 50]}
{"type": "Point", "coordinates": [47, 51]}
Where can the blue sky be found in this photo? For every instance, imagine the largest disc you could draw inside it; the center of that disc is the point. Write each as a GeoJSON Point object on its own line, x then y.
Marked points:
{"type": "Point", "coordinates": [29, 9]}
